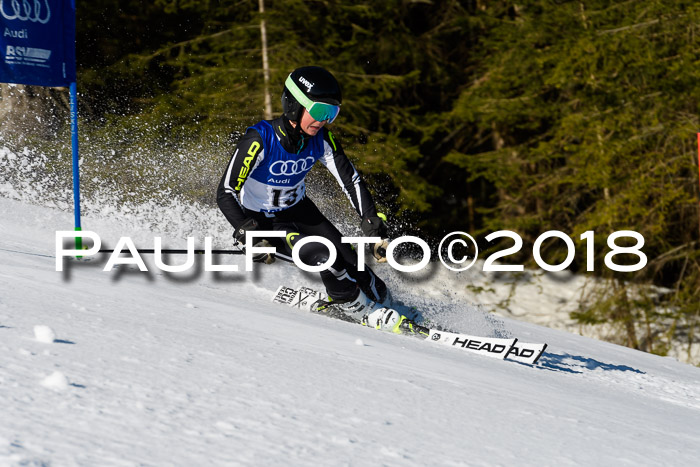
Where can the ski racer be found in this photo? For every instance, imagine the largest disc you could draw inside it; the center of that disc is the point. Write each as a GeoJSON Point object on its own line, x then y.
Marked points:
{"type": "Point", "coordinates": [263, 188]}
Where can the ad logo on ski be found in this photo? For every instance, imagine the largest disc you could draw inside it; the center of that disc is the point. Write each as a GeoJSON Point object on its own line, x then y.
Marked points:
{"type": "Point", "coordinates": [525, 352]}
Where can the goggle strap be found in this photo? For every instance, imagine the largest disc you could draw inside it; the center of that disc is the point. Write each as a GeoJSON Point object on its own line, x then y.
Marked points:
{"type": "Point", "coordinates": [297, 93]}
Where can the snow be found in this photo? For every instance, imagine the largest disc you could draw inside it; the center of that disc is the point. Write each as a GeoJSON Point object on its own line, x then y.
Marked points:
{"type": "Point", "coordinates": [44, 334]}
{"type": "Point", "coordinates": [55, 380]}
{"type": "Point", "coordinates": [153, 368]}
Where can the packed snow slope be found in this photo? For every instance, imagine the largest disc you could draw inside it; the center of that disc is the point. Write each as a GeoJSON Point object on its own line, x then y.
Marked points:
{"type": "Point", "coordinates": [134, 368]}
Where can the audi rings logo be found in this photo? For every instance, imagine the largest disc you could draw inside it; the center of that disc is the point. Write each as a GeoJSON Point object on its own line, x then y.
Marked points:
{"type": "Point", "coordinates": [289, 168]}
{"type": "Point", "coordinates": [36, 11]}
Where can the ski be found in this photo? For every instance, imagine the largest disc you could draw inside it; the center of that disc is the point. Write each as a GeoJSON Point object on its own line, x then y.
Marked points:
{"type": "Point", "coordinates": [502, 348]}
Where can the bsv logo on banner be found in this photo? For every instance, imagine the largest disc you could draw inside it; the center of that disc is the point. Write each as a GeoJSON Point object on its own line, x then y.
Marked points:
{"type": "Point", "coordinates": [292, 167]}
{"type": "Point", "coordinates": [36, 11]}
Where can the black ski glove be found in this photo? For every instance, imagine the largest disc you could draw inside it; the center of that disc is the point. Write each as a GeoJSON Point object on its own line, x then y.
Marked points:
{"type": "Point", "coordinates": [375, 226]}
{"type": "Point", "coordinates": [239, 234]}
{"type": "Point", "coordinates": [239, 237]}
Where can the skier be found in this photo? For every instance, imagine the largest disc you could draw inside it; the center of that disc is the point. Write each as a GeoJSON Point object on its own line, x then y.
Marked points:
{"type": "Point", "coordinates": [263, 189]}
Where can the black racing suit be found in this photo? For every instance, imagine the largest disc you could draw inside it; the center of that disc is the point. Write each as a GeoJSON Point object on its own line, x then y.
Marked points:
{"type": "Point", "coordinates": [303, 218]}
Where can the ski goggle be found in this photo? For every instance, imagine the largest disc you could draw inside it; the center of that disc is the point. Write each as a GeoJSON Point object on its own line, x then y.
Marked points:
{"type": "Point", "coordinates": [319, 111]}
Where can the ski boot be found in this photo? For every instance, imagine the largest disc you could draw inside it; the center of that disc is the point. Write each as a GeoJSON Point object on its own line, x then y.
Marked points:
{"type": "Point", "coordinates": [388, 319]}
{"type": "Point", "coordinates": [377, 315]}
{"type": "Point", "coordinates": [354, 309]}
{"type": "Point", "coordinates": [380, 316]}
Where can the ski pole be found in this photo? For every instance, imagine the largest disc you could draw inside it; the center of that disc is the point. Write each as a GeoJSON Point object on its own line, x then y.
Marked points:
{"type": "Point", "coordinates": [181, 252]}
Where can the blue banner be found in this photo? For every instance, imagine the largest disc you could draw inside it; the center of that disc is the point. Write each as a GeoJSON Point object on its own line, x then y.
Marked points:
{"type": "Point", "coordinates": [38, 42]}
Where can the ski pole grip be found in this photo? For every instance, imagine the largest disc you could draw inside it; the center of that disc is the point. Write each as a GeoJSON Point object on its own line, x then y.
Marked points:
{"type": "Point", "coordinates": [379, 250]}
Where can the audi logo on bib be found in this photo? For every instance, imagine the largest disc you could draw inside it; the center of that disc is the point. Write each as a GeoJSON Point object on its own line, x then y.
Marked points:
{"type": "Point", "coordinates": [33, 11]}
{"type": "Point", "coordinates": [289, 168]}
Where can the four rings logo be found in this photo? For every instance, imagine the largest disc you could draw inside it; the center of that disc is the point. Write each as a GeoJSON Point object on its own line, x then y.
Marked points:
{"type": "Point", "coordinates": [292, 167]}
{"type": "Point", "coordinates": [36, 11]}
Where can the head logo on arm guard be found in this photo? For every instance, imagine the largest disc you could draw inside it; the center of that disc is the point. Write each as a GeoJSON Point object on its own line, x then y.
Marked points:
{"type": "Point", "coordinates": [245, 170]}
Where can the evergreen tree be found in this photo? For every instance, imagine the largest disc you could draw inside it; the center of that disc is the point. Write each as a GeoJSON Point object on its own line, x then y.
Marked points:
{"type": "Point", "coordinates": [584, 115]}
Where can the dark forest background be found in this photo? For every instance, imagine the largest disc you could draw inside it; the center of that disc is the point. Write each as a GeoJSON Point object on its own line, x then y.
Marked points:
{"type": "Point", "coordinates": [475, 115]}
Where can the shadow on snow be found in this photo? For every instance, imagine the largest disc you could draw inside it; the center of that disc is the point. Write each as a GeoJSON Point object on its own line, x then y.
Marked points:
{"type": "Point", "coordinates": [576, 364]}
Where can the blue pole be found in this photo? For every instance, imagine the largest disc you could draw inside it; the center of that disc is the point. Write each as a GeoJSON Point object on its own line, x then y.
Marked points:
{"type": "Point", "coordinates": [76, 168]}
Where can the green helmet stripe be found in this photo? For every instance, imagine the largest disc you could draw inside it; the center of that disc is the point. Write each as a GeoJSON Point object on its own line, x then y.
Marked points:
{"type": "Point", "coordinates": [298, 93]}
